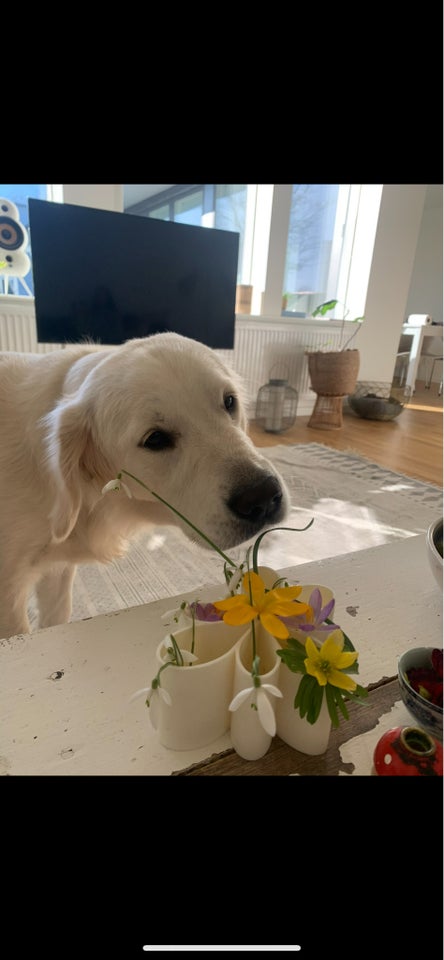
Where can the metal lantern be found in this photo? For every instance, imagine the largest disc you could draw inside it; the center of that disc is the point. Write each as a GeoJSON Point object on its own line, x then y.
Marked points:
{"type": "Point", "coordinates": [276, 406]}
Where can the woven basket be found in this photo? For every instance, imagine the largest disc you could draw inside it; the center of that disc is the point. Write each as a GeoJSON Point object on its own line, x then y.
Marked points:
{"type": "Point", "coordinates": [335, 373]}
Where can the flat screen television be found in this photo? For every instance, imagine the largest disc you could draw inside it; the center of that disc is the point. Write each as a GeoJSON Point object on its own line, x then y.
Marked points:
{"type": "Point", "coordinates": [109, 277]}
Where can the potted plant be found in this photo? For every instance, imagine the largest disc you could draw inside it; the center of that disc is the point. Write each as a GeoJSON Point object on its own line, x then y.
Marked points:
{"type": "Point", "coordinates": [334, 372]}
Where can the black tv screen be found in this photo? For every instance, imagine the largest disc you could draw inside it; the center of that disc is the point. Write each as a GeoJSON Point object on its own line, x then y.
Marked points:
{"type": "Point", "coordinates": [109, 277]}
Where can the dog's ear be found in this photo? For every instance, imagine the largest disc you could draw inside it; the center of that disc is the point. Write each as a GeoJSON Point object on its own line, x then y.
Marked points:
{"type": "Point", "coordinates": [72, 458]}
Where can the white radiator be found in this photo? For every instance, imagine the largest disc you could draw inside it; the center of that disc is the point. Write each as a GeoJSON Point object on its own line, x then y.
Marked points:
{"type": "Point", "coordinates": [264, 347]}
{"type": "Point", "coordinates": [18, 329]}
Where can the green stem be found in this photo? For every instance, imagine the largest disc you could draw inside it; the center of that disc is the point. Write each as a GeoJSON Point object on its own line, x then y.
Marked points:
{"type": "Point", "coordinates": [271, 530]}
{"type": "Point", "coordinates": [253, 633]}
{"type": "Point", "coordinates": [178, 514]}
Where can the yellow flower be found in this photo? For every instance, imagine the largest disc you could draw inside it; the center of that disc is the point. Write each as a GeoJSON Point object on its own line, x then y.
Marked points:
{"type": "Point", "coordinates": [258, 602]}
{"type": "Point", "coordinates": [327, 662]}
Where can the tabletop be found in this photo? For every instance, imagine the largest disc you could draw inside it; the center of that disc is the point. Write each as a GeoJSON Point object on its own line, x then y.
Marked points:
{"type": "Point", "coordinates": [65, 691]}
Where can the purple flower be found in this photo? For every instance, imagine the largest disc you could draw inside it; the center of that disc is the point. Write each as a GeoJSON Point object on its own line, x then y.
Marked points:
{"type": "Point", "coordinates": [316, 625]}
{"type": "Point", "coordinates": [205, 611]}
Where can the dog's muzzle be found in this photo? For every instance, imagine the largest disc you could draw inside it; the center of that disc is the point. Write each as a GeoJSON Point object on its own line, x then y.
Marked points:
{"type": "Point", "coordinates": [259, 503]}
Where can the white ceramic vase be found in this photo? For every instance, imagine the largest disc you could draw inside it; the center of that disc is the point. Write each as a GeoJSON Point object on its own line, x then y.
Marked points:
{"type": "Point", "coordinates": [249, 738]}
{"type": "Point", "coordinates": [309, 738]}
{"type": "Point", "coordinates": [200, 693]}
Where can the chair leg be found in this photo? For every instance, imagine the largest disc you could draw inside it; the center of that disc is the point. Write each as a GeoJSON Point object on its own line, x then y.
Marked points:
{"type": "Point", "coordinates": [428, 382]}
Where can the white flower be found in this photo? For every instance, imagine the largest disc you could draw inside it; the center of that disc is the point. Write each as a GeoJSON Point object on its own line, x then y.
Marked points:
{"type": "Point", "coordinates": [153, 693]}
{"type": "Point", "coordinates": [259, 698]}
{"type": "Point", "coordinates": [150, 692]}
{"type": "Point", "coordinates": [236, 578]}
{"type": "Point", "coordinates": [185, 654]}
{"type": "Point", "coordinates": [117, 485]}
{"type": "Point", "coordinates": [178, 615]}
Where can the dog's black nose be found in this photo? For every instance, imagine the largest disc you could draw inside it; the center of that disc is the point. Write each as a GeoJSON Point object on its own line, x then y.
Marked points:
{"type": "Point", "coordinates": [258, 503]}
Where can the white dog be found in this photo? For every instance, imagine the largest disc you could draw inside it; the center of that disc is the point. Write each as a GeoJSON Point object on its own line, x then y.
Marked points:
{"type": "Point", "coordinates": [164, 408]}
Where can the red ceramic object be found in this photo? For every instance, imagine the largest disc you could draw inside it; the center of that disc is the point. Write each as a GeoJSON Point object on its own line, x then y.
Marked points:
{"type": "Point", "coordinates": [408, 752]}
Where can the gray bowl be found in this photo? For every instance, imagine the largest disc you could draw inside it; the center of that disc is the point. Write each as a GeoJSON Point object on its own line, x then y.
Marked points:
{"type": "Point", "coordinates": [372, 407]}
{"type": "Point", "coordinates": [427, 715]}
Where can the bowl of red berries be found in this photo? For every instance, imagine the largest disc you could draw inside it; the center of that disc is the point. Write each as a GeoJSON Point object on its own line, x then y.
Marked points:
{"type": "Point", "coordinates": [420, 681]}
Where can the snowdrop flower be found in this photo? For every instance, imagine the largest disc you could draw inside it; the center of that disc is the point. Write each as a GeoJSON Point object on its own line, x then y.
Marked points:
{"type": "Point", "coordinates": [175, 653]}
{"type": "Point", "coordinates": [154, 690]}
{"type": "Point", "coordinates": [179, 615]}
{"type": "Point", "coordinates": [117, 485]}
{"type": "Point", "coordinates": [259, 700]}
{"type": "Point", "coordinates": [235, 578]}
{"type": "Point", "coordinates": [154, 693]}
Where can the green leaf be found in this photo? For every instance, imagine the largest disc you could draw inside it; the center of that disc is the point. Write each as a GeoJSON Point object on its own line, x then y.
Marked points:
{"type": "Point", "coordinates": [340, 703]}
{"type": "Point", "coordinates": [359, 695]}
{"type": "Point", "coordinates": [293, 659]}
{"type": "Point", "coordinates": [315, 704]}
{"type": "Point", "coordinates": [298, 700]}
{"type": "Point", "coordinates": [331, 704]}
{"type": "Point", "coordinates": [305, 693]}
{"type": "Point", "coordinates": [323, 308]}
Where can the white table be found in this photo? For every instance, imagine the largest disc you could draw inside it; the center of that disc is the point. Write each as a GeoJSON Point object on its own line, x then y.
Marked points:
{"type": "Point", "coordinates": [65, 691]}
{"type": "Point", "coordinates": [418, 334]}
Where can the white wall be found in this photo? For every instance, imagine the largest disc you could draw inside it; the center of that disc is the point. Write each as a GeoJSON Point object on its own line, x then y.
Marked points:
{"type": "Point", "coordinates": [397, 234]}
{"type": "Point", "coordinates": [104, 196]}
{"type": "Point", "coordinates": [426, 288]}
{"type": "Point", "coordinates": [280, 219]}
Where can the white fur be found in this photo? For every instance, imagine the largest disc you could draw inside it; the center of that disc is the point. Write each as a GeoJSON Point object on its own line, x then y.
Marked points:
{"type": "Point", "coordinates": [72, 419]}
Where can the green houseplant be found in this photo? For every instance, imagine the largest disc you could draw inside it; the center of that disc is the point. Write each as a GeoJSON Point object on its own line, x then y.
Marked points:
{"type": "Point", "coordinates": [333, 373]}
{"type": "Point", "coordinates": [328, 305]}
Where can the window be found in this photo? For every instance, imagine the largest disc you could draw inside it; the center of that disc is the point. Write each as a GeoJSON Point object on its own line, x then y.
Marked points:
{"type": "Point", "coordinates": [322, 257]}
{"type": "Point", "coordinates": [310, 248]}
{"type": "Point", "coordinates": [19, 193]}
{"type": "Point", "coordinates": [189, 209]}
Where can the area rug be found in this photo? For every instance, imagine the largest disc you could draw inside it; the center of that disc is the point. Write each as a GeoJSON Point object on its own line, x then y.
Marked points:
{"type": "Point", "coordinates": [355, 504]}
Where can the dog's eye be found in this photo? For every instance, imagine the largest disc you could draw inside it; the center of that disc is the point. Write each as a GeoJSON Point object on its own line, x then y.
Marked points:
{"type": "Point", "coordinates": [230, 402]}
{"type": "Point", "coordinates": [157, 440]}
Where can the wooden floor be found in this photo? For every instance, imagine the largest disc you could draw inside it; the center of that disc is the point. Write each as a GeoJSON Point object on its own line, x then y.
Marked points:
{"type": "Point", "coordinates": [411, 444]}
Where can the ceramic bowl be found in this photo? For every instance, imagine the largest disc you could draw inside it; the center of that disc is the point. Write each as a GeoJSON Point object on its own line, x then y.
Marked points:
{"type": "Point", "coordinates": [428, 716]}
{"type": "Point", "coordinates": [372, 407]}
{"type": "Point", "coordinates": [434, 549]}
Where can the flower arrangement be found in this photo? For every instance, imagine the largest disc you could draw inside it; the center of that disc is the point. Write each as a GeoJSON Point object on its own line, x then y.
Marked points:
{"type": "Point", "coordinates": [310, 643]}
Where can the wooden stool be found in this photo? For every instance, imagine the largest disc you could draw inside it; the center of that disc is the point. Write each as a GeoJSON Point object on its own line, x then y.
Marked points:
{"type": "Point", "coordinates": [327, 413]}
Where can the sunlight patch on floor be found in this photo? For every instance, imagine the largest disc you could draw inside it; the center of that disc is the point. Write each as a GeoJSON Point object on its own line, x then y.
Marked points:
{"type": "Point", "coordinates": [393, 487]}
{"type": "Point", "coordinates": [422, 406]}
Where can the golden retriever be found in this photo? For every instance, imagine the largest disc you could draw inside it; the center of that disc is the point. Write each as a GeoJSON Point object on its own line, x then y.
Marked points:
{"type": "Point", "coordinates": [165, 408]}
